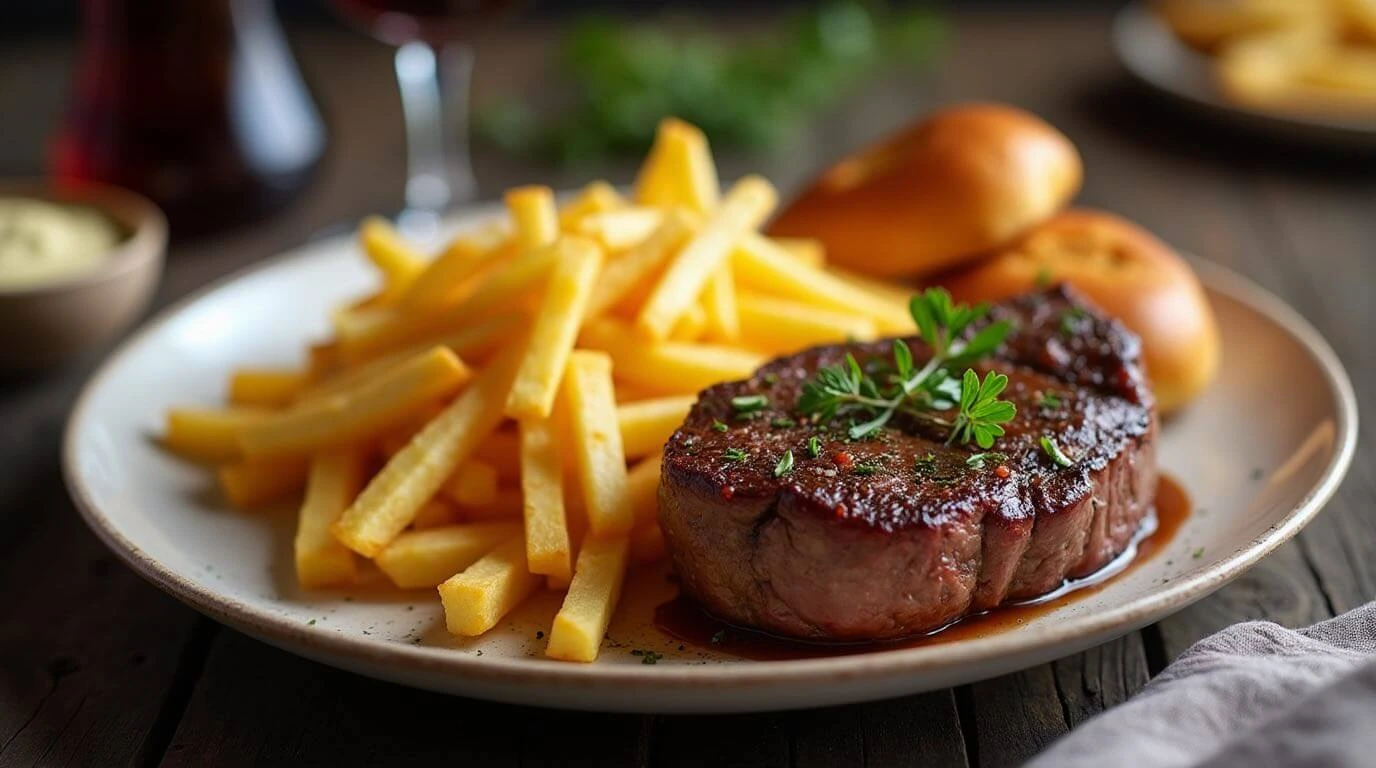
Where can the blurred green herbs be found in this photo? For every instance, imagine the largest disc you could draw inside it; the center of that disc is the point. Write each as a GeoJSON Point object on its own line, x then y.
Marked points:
{"type": "Point", "coordinates": [622, 78]}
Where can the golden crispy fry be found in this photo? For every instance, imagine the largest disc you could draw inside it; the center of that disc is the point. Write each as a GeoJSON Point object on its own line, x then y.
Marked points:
{"type": "Point", "coordinates": [399, 263]}
{"type": "Point", "coordinates": [622, 228]}
{"type": "Point", "coordinates": [807, 250]}
{"type": "Point", "coordinates": [723, 320]}
{"type": "Point", "coordinates": [390, 501]}
{"type": "Point", "coordinates": [582, 620]}
{"type": "Point", "coordinates": [763, 266]}
{"type": "Point", "coordinates": [360, 413]}
{"type": "Point", "coordinates": [691, 325]}
{"type": "Point", "coordinates": [445, 277]}
{"type": "Point", "coordinates": [249, 484]}
{"type": "Point", "coordinates": [473, 484]}
{"type": "Point", "coordinates": [436, 513]}
{"type": "Point", "coordinates": [780, 326]}
{"type": "Point", "coordinates": [642, 486]}
{"type": "Point", "coordinates": [647, 424]}
{"type": "Point", "coordinates": [534, 218]}
{"type": "Point", "coordinates": [335, 477]}
{"type": "Point", "coordinates": [265, 387]}
{"type": "Point", "coordinates": [669, 367]}
{"type": "Point", "coordinates": [596, 197]}
{"type": "Point", "coordinates": [209, 434]}
{"type": "Point", "coordinates": [745, 206]}
{"type": "Point", "coordinates": [679, 169]}
{"type": "Point", "coordinates": [624, 273]}
{"type": "Point", "coordinates": [476, 599]}
{"type": "Point", "coordinates": [421, 559]}
{"type": "Point", "coordinates": [548, 551]}
{"type": "Point", "coordinates": [597, 446]}
{"type": "Point", "coordinates": [555, 329]}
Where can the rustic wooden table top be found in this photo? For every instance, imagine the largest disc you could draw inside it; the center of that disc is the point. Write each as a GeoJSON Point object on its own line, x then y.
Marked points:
{"type": "Point", "coordinates": [98, 667]}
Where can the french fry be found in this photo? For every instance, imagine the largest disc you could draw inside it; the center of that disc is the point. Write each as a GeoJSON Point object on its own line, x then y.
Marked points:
{"type": "Point", "coordinates": [642, 486]}
{"type": "Point", "coordinates": [473, 484]}
{"type": "Point", "coordinates": [760, 264]}
{"type": "Point", "coordinates": [555, 329]}
{"type": "Point", "coordinates": [647, 424]}
{"type": "Point", "coordinates": [622, 228]}
{"type": "Point", "coordinates": [596, 197]}
{"type": "Point", "coordinates": [597, 449]}
{"type": "Point", "coordinates": [745, 206]}
{"type": "Point", "coordinates": [398, 262]}
{"type": "Point", "coordinates": [249, 484]}
{"type": "Point", "coordinates": [588, 607]}
{"type": "Point", "coordinates": [779, 325]}
{"type": "Point", "coordinates": [691, 325]}
{"type": "Point", "coordinates": [670, 367]}
{"type": "Point", "coordinates": [463, 258]}
{"type": "Point", "coordinates": [390, 501]}
{"type": "Point", "coordinates": [548, 551]}
{"type": "Point", "coordinates": [647, 544]}
{"type": "Point", "coordinates": [679, 169]}
{"type": "Point", "coordinates": [723, 319]}
{"type": "Point", "coordinates": [436, 513]}
{"type": "Point", "coordinates": [476, 599]}
{"type": "Point", "coordinates": [335, 477]}
{"type": "Point", "coordinates": [423, 559]}
{"type": "Point", "coordinates": [473, 342]}
{"type": "Point", "coordinates": [265, 387]}
{"type": "Point", "coordinates": [624, 273]}
{"type": "Point", "coordinates": [534, 218]}
{"type": "Point", "coordinates": [209, 434]}
{"type": "Point", "coordinates": [363, 412]}
{"type": "Point", "coordinates": [808, 250]}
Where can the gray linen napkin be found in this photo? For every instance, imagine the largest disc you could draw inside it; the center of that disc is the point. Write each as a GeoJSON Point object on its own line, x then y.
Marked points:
{"type": "Point", "coordinates": [1255, 694]}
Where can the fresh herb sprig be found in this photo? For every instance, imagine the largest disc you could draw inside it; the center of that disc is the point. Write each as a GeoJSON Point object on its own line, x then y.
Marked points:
{"type": "Point", "coordinates": [872, 399]}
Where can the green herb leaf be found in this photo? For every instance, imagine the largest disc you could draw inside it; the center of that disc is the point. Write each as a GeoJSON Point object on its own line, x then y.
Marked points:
{"type": "Point", "coordinates": [1054, 451]}
{"type": "Point", "coordinates": [783, 423]}
{"type": "Point", "coordinates": [981, 413]}
{"type": "Point", "coordinates": [866, 469]}
{"type": "Point", "coordinates": [1048, 400]}
{"type": "Point", "coordinates": [719, 425]}
{"type": "Point", "coordinates": [747, 404]}
{"type": "Point", "coordinates": [978, 460]}
{"type": "Point", "coordinates": [1072, 320]}
{"type": "Point", "coordinates": [785, 464]}
{"type": "Point", "coordinates": [814, 447]}
{"type": "Point", "coordinates": [735, 454]}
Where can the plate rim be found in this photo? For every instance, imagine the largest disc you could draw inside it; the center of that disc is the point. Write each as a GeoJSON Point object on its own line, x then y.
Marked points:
{"type": "Point", "coordinates": [471, 672]}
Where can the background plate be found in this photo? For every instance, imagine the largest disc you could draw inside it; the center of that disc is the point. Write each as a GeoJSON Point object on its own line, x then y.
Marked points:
{"type": "Point", "coordinates": [1255, 481]}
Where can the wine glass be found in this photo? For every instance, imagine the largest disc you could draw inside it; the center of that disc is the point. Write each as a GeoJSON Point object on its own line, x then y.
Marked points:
{"type": "Point", "coordinates": [434, 68]}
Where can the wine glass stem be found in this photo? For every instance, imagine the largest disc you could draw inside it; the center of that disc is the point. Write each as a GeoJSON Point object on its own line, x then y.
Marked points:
{"type": "Point", "coordinates": [434, 102]}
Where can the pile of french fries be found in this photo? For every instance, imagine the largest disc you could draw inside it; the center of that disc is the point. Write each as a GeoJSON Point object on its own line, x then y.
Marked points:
{"type": "Point", "coordinates": [489, 423]}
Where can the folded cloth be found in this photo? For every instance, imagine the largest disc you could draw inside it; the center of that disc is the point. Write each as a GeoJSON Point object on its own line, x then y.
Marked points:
{"type": "Point", "coordinates": [1254, 695]}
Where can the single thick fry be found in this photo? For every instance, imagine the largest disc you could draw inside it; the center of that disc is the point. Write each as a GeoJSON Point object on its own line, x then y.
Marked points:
{"type": "Point", "coordinates": [642, 485]}
{"type": "Point", "coordinates": [555, 329]}
{"type": "Point", "coordinates": [476, 599]}
{"type": "Point", "coordinates": [249, 484]}
{"type": "Point", "coordinates": [588, 607]}
{"type": "Point", "coordinates": [471, 343]}
{"type": "Point", "coordinates": [596, 197]}
{"type": "Point", "coordinates": [624, 273]}
{"type": "Point", "coordinates": [597, 449]}
{"type": "Point", "coordinates": [397, 260]}
{"type": "Point", "coordinates": [808, 250]}
{"type": "Point", "coordinates": [209, 434]}
{"type": "Point", "coordinates": [412, 476]}
{"type": "Point", "coordinates": [420, 559]}
{"type": "Point", "coordinates": [679, 169]}
{"type": "Point", "coordinates": [548, 551]}
{"type": "Point", "coordinates": [464, 257]}
{"type": "Point", "coordinates": [335, 477]}
{"type": "Point", "coordinates": [781, 326]}
{"type": "Point", "coordinates": [691, 325]}
{"type": "Point", "coordinates": [647, 424]}
{"type": "Point", "coordinates": [534, 217]}
{"type": "Point", "coordinates": [473, 484]}
{"type": "Point", "coordinates": [760, 264]}
{"type": "Point", "coordinates": [745, 206]}
{"type": "Point", "coordinates": [622, 228]}
{"type": "Point", "coordinates": [363, 412]}
{"type": "Point", "coordinates": [723, 319]}
{"type": "Point", "coordinates": [670, 367]}
{"type": "Point", "coordinates": [265, 387]}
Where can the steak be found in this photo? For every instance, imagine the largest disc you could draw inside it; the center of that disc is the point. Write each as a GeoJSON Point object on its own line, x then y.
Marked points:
{"type": "Point", "coordinates": [898, 534]}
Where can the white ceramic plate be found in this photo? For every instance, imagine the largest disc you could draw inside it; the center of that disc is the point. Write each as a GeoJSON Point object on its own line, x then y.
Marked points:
{"type": "Point", "coordinates": [1255, 481]}
{"type": "Point", "coordinates": [1153, 55]}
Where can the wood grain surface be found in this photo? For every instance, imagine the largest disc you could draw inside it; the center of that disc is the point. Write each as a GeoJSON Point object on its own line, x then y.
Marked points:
{"type": "Point", "coordinates": [98, 668]}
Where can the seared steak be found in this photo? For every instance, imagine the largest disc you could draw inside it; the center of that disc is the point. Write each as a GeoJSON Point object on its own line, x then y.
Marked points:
{"type": "Point", "coordinates": [897, 533]}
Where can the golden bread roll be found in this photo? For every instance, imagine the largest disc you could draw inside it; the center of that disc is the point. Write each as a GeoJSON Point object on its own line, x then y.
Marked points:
{"type": "Point", "coordinates": [1127, 272]}
{"type": "Point", "coordinates": [942, 191]}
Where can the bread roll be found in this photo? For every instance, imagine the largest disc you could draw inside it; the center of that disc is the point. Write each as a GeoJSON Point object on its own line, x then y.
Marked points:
{"type": "Point", "coordinates": [964, 180]}
{"type": "Point", "coordinates": [1130, 274]}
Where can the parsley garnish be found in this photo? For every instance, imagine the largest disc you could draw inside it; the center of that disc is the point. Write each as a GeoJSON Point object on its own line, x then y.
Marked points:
{"type": "Point", "coordinates": [1198, 553]}
{"type": "Point", "coordinates": [1072, 319]}
{"type": "Point", "coordinates": [848, 390]}
{"type": "Point", "coordinates": [718, 425]}
{"type": "Point", "coordinates": [1048, 400]}
{"type": "Point", "coordinates": [814, 447]}
{"type": "Point", "coordinates": [1055, 452]}
{"type": "Point", "coordinates": [783, 423]}
{"type": "Point", "coordinates": [735, 454]}
{"type": "Point", "coordinates": [749, 404]}
{"type": "Point", "coordinates": [868, 468]}
{"type": "Point", "coordinates": [785, 464]}
{"type": "Point", "coordinates": [978, 460]}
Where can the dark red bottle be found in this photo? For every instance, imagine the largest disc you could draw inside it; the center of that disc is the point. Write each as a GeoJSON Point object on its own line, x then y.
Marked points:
{"type": "Point", "coordinates": [198, 105]}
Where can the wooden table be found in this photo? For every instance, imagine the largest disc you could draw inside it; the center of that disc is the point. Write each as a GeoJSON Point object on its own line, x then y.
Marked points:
{"type": "Point", "coordinates": [98, 667]}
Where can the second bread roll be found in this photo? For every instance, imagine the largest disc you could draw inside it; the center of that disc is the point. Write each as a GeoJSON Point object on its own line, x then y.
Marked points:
{"type": "Point", "coordinates": [956, 184]}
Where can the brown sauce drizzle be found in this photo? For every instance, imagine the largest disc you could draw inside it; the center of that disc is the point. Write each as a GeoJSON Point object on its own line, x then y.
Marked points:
{"type": "Point", "coordinates": [684, 621]}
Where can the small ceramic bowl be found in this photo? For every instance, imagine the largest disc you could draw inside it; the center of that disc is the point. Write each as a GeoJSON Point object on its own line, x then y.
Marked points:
{"type": "Point", "coordinates": [43, 325]}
